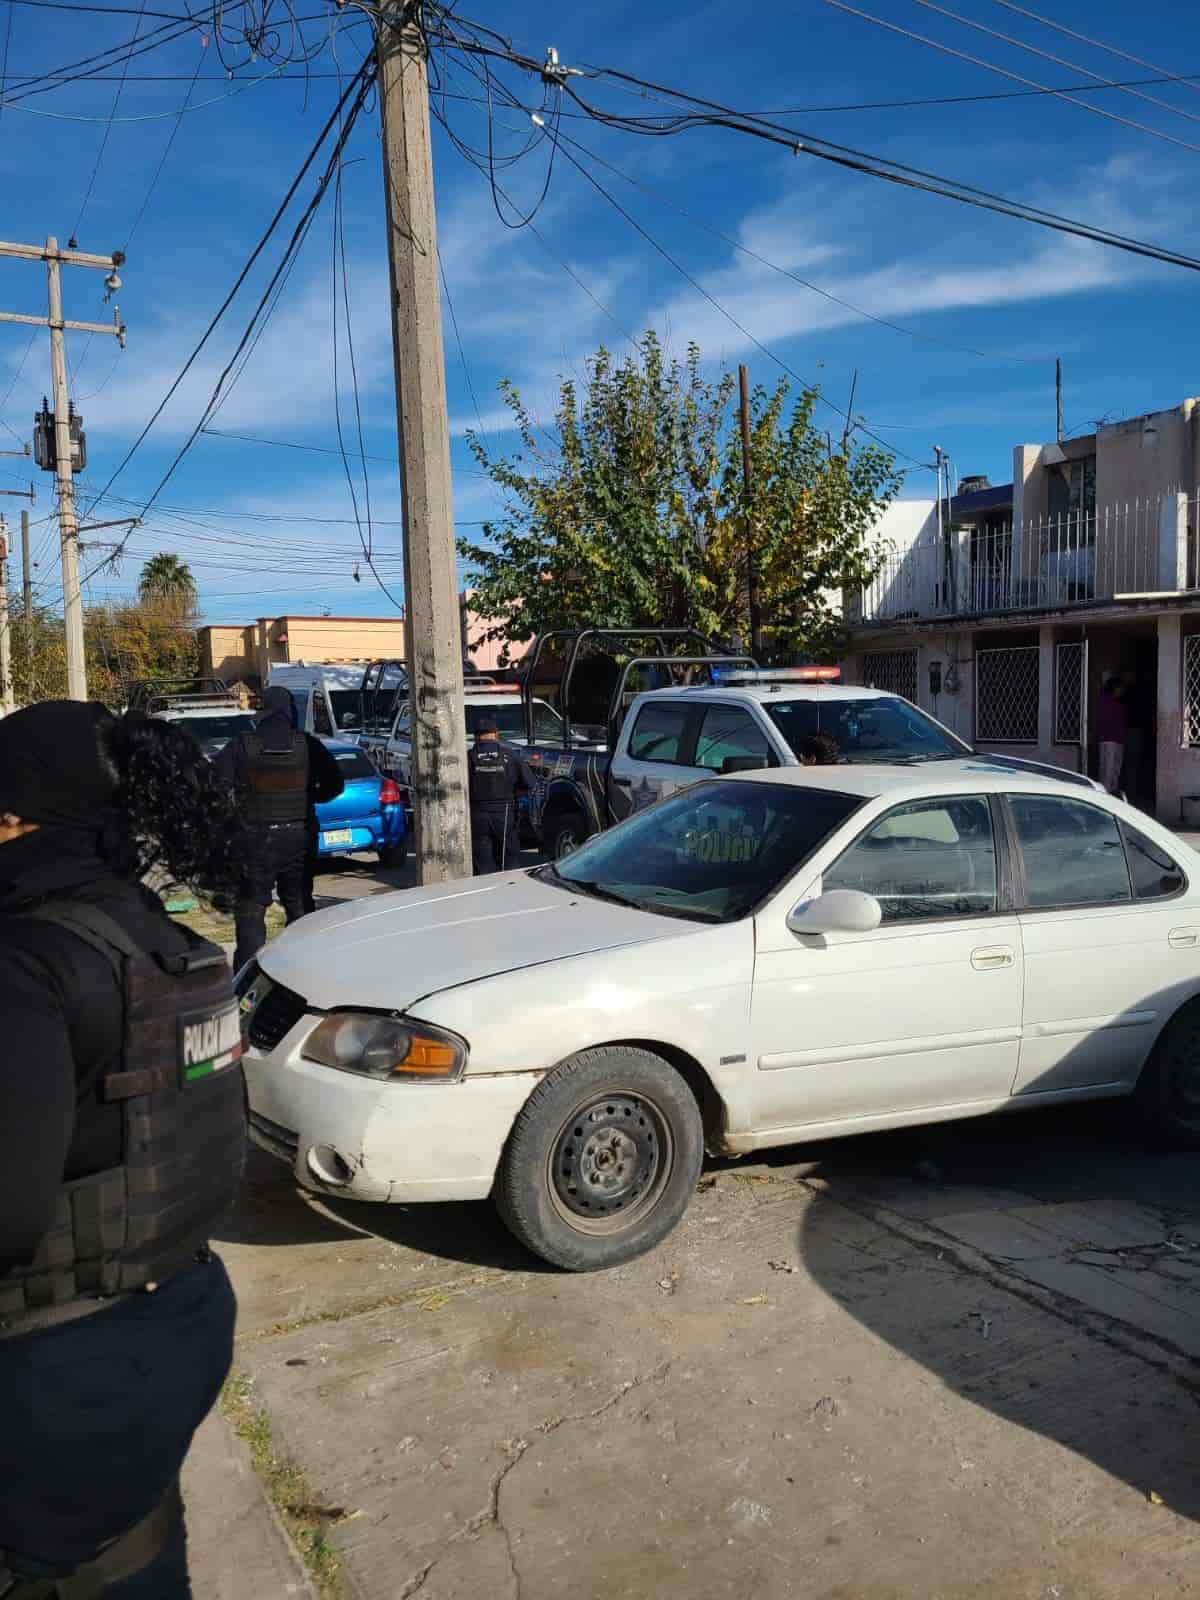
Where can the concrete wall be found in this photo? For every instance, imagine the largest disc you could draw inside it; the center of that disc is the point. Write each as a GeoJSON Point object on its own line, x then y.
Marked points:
{"type": "Point", "coordinates": [227, 651]}
{"type": "Point", "coordinates": [338, 638]}
{"type": "Point", "coordinates": [1147, 456]}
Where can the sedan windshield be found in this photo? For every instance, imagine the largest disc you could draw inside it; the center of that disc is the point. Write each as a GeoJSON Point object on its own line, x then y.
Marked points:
{"type": "Point", "coordinates": [711, 852]}
{"type": "Point", "coordinates": [872, 729]}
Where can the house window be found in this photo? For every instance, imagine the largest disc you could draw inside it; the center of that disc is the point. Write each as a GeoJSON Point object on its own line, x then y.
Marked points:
{"type": "Point", "coordinates": [1071, 491]}
{"type": "Point", "coordinates": [892, 670]}
{"type": "Point", "coordinates": [1191, 690]}
{"type": "Point", "coordinates": [1006, 695]}
{"type": "Point", "coordinates": [1070, 678]}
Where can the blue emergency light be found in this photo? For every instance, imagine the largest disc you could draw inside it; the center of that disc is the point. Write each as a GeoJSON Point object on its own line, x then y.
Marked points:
{"type": "Point", "coordinates": [765, 675]}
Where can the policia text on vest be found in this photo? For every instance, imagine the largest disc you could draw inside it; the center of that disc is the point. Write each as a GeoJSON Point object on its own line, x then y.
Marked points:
{"type": "Point", "coordinates": [495, 773]}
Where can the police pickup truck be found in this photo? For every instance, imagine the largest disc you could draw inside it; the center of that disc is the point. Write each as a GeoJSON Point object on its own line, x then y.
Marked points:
{"type": "Point", "coordinates": [731, 717]}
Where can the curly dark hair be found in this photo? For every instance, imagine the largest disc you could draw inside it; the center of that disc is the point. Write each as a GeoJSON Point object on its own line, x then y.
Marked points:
{"type": "Point", "coordinates": [171, 816]}
{"type": "Point", "coordinates": [820, 750]}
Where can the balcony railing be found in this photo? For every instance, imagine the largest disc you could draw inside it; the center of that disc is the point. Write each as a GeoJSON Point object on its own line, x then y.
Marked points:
{"type": "Point", "coordinates": [1138, 547]}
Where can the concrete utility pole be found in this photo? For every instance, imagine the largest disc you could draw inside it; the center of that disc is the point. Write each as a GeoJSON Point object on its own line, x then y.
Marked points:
{"type": "Point", "coordinates": [67, 520]}
{"type": "Point", "coordinates": [756, 640]}
{"type": "Point", "coordinates": [6, 685]}
{"type": "Point", "coordinates": [432, 627]}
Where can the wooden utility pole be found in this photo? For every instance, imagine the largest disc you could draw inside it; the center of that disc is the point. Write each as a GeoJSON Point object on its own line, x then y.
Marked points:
{"type": "Point", "coordinates": [6, 685]}
{"type": "Point", "coordinates": [26, 571]}
{"type": "Point", "coordinates": [756, 642]}
{"type": "Point", "coordinates": [1058, 396]}
{"type": "Point", "coordinates": [67, 520]}
{"type": "Point", "coordinates": [431, 610]}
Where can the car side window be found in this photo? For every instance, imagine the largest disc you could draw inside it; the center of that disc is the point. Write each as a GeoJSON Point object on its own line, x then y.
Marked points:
{"type": "Point", "coordinates": [1072, 851]}
{"type": "Point", "coordinates": [321, 722]}
{"type": "Point", "coordinates": [403, 723]}
{"type": "Point", "coordinates": [729, 731]}
{"type": "Point", "coordinates": [1152, 870]}
{"type": "Point", "coordinates": [547, 724]}
{"type": "Point", "coordinates": [658, 733]}
{"type": "Point", "coordinates": [930, 859]}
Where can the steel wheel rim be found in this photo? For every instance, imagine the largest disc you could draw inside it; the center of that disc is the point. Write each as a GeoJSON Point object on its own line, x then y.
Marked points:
{"type": "Point", "coordinates": [610, 1162]}
{"type": "Point", "coordinates": [566, 844]}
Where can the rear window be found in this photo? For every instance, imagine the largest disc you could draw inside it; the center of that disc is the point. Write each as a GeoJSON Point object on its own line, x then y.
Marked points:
{"type": "Point", "coordinates": [658, 733]}
{"type": "Point", "coordinates": [207, 728]}
{"type": "Point", "coordinates": [353, 764]}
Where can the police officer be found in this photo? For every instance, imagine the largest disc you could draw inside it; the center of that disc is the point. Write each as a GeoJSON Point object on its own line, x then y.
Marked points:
{"type": "Point", "coordinates": [494, 773]}
{"type": "Point", "coordinates": [122, 1102]}
{"type": "Point", "coordinates": [279, 775]}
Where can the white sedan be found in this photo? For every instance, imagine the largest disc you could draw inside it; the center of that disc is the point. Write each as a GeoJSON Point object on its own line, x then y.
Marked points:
{"type": "Point", "coordinates": [758, 960]}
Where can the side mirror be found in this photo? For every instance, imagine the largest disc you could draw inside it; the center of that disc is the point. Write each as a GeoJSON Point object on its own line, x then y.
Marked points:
{"type": "Point", "coordinates": [742, 764]}
{"type": "Point", "coordinates": [839, 911]}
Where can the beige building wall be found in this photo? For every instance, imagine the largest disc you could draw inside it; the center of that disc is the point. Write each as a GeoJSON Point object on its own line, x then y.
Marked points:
{"type": "Point", "coordinates": [315, 639]}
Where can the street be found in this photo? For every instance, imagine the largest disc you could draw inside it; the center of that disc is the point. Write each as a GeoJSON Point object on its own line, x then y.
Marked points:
{"type": "Point", "coordinates": [954, 1361]}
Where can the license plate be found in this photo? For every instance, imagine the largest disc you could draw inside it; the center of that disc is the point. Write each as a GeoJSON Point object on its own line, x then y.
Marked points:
{"type": "Point", "coordinates": [338, 836]}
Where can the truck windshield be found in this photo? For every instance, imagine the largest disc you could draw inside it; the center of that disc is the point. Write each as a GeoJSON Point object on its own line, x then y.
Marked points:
{"type": "Point", "coordinates": [709, 853]}
{"type": "Point", "coordinates": [870, 729]}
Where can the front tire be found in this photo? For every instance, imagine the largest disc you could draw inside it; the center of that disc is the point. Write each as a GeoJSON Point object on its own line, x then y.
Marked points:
{"type": "Point", "coordinates": [602, 1160]}
{"type": "Point", "coordinates": [1168, 1090]}
{"type": "Point", "coordinates": [566, 833]}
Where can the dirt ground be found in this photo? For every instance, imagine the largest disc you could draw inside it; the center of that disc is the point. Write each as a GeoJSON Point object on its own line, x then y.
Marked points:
{"type": "Point", "coordinates": [958, 1362]}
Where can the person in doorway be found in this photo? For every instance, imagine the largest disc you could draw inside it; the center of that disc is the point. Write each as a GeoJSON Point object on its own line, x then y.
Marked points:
{"type": "Point", "coordinates": [279, 776]}
{"type": "Point", "coordinates": [820, 750]}
{"type": "Point", "coordinates": [1112, 731]}
{"type": "Point", "coordinates": [494, 774]}
{"type": "Point", "coordinates": [122, 1100]}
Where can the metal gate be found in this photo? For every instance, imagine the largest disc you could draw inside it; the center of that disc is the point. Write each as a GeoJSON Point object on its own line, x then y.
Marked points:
{"type": "Point", "coordinates": [1071, 693]}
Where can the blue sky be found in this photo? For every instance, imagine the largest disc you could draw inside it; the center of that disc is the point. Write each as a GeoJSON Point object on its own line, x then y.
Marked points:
{"type": "Point", "coordinates": [268, 529]}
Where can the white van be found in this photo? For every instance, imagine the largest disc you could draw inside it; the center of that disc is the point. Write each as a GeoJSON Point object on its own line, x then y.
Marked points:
{"type": "Point", "coordinates": [328, 695]}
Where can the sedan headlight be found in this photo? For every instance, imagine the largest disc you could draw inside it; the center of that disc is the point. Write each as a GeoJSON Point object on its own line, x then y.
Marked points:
{"type": "Point", "coordinates": [386, 1047]}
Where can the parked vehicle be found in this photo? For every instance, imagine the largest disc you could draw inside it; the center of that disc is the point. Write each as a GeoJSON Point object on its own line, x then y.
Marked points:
{"type": "Point", "coordinates": [761, 959]}
{"type": "Point", "coordinates": [367, 815]}
{"type": "Point", "coordinates": [328, 695]}
{"type": "Point", "coordinates": [205, 707]}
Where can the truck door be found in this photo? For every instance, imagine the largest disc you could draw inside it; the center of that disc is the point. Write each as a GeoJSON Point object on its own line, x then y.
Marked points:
{"type": "Point", "coordinates": [653, 757]}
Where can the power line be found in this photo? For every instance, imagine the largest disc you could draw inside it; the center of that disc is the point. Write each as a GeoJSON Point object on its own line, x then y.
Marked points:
{"type": "Point", "coordinates": [1187, 79]}
{"type": "Point", "coordinates": [786, 272]}
{"type": "Point", "coordinates": [7, 41]}
{"type": "Point", "coordinates": [356, 91]}
{"type": "Point", "coordinates": [714, 114]}
{"type": "Point", "coordinates": [716, 304]}
{"type": "Point", "coordinates": [1004, 72]}
{"type": "Point", "coordinates": [108, 127]}
{"type": "Point", "coordinates": [1059, 61]}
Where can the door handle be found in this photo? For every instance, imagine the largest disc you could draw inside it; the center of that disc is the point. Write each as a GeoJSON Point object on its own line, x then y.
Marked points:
{"type": "Point", "coordinates": [992, 957]}
{"type": "Point", "coordinates": [1183, 938]}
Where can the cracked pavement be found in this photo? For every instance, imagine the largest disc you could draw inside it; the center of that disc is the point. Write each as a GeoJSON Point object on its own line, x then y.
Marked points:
{"type": "Point", "coordinates": [952, 1362]}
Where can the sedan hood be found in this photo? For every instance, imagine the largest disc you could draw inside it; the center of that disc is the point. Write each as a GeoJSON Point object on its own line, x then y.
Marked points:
{"type": "Point", "coordinates": [388, 951]}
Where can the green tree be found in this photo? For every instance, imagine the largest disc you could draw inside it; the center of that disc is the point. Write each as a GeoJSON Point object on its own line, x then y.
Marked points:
{"type": "Point", "coordinates": [631, 511]}
{"type": "Point", "coordinates": [122, 644]}
{"type": "Point", "coordinates": [166, 581]}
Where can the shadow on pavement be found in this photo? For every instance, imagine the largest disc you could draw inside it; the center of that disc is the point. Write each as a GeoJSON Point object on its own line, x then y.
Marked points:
{"type": "Point", "coordinates": [274, 1210]}
{"type": "Point", "coordinates": [1079, 1329]}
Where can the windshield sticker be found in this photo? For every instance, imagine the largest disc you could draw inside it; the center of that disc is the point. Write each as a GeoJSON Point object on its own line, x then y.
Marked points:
{"type": "Point", "coordinates": [718, 845]}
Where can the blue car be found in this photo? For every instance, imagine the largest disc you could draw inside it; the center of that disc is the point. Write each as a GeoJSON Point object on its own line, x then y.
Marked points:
{"type": "Point", "coordinates": [367, 815]}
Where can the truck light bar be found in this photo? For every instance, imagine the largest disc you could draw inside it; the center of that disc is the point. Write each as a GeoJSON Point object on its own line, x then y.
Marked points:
{"type": "Point", "coordinates": [763, 675]}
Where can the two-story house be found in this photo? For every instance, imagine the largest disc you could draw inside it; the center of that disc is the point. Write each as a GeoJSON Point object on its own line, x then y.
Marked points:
{"type": "Point", "coordinates": [1003, 615]}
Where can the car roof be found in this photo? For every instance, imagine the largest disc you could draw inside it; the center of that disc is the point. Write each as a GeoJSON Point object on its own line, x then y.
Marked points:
{"type": "Point", "coordinates": [972, 774]}
{"type": "Point", "coordinates": [344, 747]}
{"type": "Point", "coordinates": [218, 708]}
{"type": "Point", "coordinates": [765, 694]}
{"type": "Point", "coordinates": [344, 674]}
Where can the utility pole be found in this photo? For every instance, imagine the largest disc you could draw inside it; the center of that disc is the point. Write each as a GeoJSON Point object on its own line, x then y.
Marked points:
{"type": "Point", "coordinates": [6, 687]}
{"type": "Point", "coordinates": [431, 609]}
{"type": "Point", "coordinates": [67, 520]}
{"type": "Point", "coordinates": [756, 641]}
{"type": "Point", "coordinates": [26, 571]}
{"type": "Point", "coordinates": [947, 570]}
{"type": "Point", "coordinates": [1058, 395]}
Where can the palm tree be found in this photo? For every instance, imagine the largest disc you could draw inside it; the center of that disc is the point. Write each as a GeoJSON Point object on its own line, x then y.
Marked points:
{"type": "Point", "coordinates": [167, 580]}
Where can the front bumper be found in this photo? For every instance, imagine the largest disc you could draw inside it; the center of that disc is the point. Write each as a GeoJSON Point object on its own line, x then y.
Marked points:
{"type": "Point", "coordinates": [390, 1142]}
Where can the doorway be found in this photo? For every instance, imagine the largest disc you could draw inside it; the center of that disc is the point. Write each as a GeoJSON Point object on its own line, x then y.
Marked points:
{"type": "Point", "coordinates": [1129, 652]}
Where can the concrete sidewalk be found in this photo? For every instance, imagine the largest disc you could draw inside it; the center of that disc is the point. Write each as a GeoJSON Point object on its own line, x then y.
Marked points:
{"type": "Point", "coordinates": [236, 1545]}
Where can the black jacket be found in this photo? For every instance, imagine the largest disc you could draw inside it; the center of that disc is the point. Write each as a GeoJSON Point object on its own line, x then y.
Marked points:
{"type": "Point", "coordinates": [518, 774]}
{"type": "Point", "coordinates": [62, 1013]}
{"type": "Point", "coordinates": [325, 781]}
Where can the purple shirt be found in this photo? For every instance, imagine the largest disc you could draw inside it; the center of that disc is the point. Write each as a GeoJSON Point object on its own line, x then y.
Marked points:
{"type": "Point", "coordinates": [1112, 719]}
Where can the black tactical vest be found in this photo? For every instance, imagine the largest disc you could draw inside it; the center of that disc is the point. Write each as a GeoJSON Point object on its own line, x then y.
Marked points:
{"type": "Point", "coordinates": [488, 768]}
{"type": "Point", "coordinates": [278, 781]}
{"type": "Point", "coordinates": [183, 1102]}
